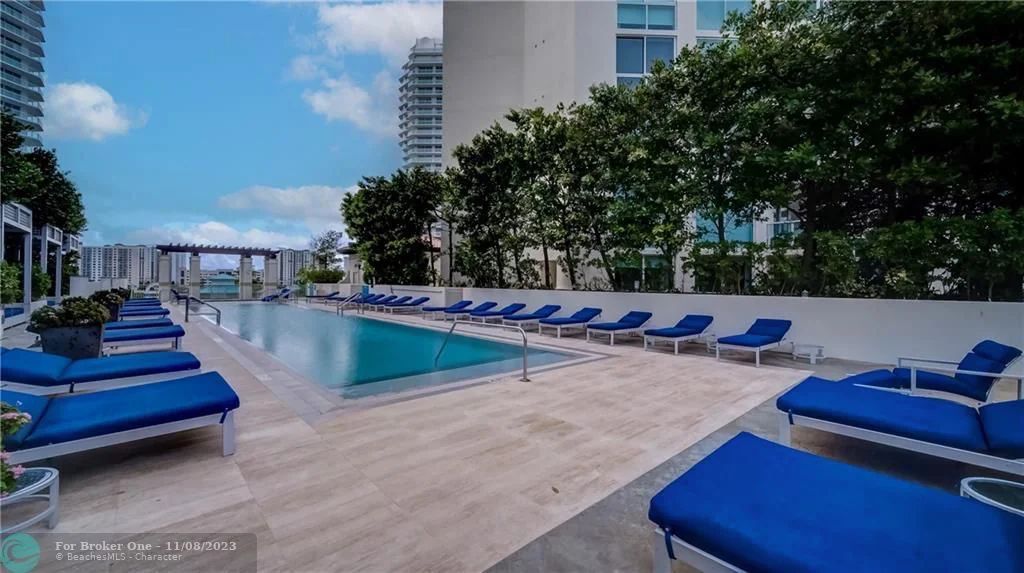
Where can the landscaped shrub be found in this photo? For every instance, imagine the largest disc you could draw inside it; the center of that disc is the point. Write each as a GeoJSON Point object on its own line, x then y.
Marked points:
{"type": "Point", "coordinates": [10, 283]}
{"type": "Point", "coordinates": [73, 311]}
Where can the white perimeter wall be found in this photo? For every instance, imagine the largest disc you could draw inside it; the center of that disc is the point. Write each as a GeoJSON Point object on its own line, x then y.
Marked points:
{"type": "Point", "coordinates": [870, 330]}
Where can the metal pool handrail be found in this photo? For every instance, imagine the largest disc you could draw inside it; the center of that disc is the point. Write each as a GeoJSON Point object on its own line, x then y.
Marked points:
{"type": "Point", "coordinates": [192, 299]}
{"type": "Point", "coordinates": [339, 308]}
{"type": "Point", "coordinates": [505, 326]}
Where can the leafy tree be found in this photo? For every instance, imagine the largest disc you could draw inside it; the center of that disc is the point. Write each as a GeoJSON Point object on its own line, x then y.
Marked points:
{"type": "Point", "coordinates": [988, 254]}
{"type": "Point", "coordinates": [10, 283]}
{"type": "Point", "coordinates": [387, 217]}
{"type": "Point", "coordinates": [325, 247]}
{"type": "Point", "coordinates": [34, 179]}
{"type": "Point", "coordinates": [310, 275]}
{"type": "Point", "coordinates": [489, 206]}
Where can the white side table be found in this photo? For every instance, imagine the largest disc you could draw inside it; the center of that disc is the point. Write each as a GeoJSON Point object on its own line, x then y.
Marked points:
{"type": "Point", "coordinates": [1001, 493]}
{"type": "Point", "coordinates": [813, 353]}
{"type": "Point", "coordinates": [27, 488]}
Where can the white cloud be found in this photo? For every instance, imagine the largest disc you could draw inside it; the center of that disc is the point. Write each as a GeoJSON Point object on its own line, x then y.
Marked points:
{"type": "Point", "coordinates": [82, 110]}
{"type": "Point", "coordinates": [218, 233]}
{"type": "Point", "coordinates": [389, 28]}
{"type": "Point", "coordinates": [304, 68]}
{"type": "Point", "coordinates": [374, 111]}
{"type": "Point", "coordinates": [315, 205]}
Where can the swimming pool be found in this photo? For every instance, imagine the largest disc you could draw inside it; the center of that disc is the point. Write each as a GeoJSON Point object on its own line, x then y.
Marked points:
{"type": "Point", "coordinates": [358, 356]}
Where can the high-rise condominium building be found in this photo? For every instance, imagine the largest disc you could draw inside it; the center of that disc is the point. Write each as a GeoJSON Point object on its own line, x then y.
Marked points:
{"type": "Point", "coordinates": [511, 54]}
{"type": "Point", "coordinates": [290, 262]}
{"type": "Point", "coordinates": [137, 263]}
{"type": "Point", "coordinates": [21, 64]}
{"type": "Point", "coordinates": [419, 108]}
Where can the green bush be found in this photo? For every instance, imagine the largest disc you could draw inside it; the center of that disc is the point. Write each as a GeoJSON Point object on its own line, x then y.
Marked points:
{"type": "Point", "coordinates": [10, 283]}
{"type": "Point", "coordinates": [310, 275]}
{"type": "Point", "coordinates": [73, 311]}
{"type": "Point", "coordinates": [107, 298]}
{"type": "Point", "coordinates": [41, 282]}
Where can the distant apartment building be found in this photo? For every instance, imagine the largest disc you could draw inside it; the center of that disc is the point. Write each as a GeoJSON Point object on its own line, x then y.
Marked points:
{"type": "Point", "coordinates": [420, 105]}
{"type": "Point", "coordinates": [290, 262]}
{"type": "Point", "coordinates": [21, 64]}
{"type": "Point", "coordinates": [136, 263]}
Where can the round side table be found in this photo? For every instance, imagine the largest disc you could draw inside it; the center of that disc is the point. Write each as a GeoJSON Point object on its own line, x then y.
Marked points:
{"type": "Point", "coordinates": [1006, 495]}
{"type": "Point", "coordinates": [28, 487]}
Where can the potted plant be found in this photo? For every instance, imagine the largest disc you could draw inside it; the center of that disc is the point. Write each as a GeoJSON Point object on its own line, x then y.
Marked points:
{"type": "Point", "coordinates": [111, 300]}
{"type": "Point", "coordinates": [74, 329]}
{"type": "Point", "coordinates": [124, 293]}
{"type": "Point", "coordinates": [11, 420]}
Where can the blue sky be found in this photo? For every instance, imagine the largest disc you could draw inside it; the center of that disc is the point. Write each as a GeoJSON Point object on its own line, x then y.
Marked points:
{"type": "Point", "coordinates": [227, 122]}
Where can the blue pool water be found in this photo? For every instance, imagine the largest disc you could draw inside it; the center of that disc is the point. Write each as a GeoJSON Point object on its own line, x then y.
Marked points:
{"type": "Point", "coordinates": [359, 356]}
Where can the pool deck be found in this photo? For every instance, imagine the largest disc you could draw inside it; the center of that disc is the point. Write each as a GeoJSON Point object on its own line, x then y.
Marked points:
{"type": "Point", "coordinates": [548, 474]}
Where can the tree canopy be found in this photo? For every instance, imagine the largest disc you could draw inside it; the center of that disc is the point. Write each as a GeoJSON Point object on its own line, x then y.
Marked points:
{"type": "Point", "coordinates": [34, 179]}
{"type": "Point", "coordinates": [888, 134]}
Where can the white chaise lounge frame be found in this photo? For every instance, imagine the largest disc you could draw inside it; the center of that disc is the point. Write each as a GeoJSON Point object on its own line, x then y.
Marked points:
{"type": "Point", "coordinates": [676, 339]}
{"type": "Point", "coordinates": [611, 333]}
{"type": "Point", "coordinates": [696, 558]}
{"type": "Point", "coordinates": [559, 327]}
{"type": "Point", "coordinates": [96, 384]}
{"type": "Point", "coordinates": [952, 371]}
{"type": "Point", "coordinates": [226, 421]}
{"type": "Point", "coordinates": [787, 420]}
{"type": "Point", "coordinates": [174, 340]}
{"type": "Point", "coordinates": [755, 349]}
{"type": "Point", "coordinates": [142, 317]}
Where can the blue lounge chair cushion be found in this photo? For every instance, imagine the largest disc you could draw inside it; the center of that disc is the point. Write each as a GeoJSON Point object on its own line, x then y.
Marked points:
{"type": "Point", "coordinates": [478, 308]}
{"type": "Point", "coordinates": [145, 312]}
{"type": "Point", "coordinates": [79, 416]}
{"type": "Point", "coordinates": [457, 306]}
{"type": "Point", "coordinates": [881, 378]}
{"type": "Point", "coordinates": [145, 323]}
{"type": "Point", "coordinates": [414, 302]}
{"type": "Point", "coordinates": [398, 301]}
{"type": "Point", "coordinates": [969, 385]}
{"type": "Point", "coordinates": [34, 406]}
{"type": "Point", "coordinates": [690, 325]}
{"type": "Point", "coordinates": [749, 340]}
{"type": "Point", "coordinates": [510, 309]}
{"type": "Point", "coordinates": [1003, 423]}
{"type": "Point", "coordinates": [917, 417]}
{"type": "Point", "coordinates": [764, 507]}
{"type": "Point", "coordinates": [995, 351]}
{"type": "Point", "coordinates": [36, 368]}
{"type": "Point", "coordinates": [542, 312]}
{"type": "Point", "coordinates": [579, 317]}
{"type": "Point", "coordinates": [142, 302]}
{"type": "Point", "coordinates": [632, 319]}
{"type": "Point", "coordinates": [128, 365]}
{"type": "Point", "coordinates": [771, 327]}
{"type": "Point", "coordinates": [132, 334]}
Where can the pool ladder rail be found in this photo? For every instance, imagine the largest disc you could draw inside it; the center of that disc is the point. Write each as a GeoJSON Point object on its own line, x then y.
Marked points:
{"type": "Point", "coordinates": [201, 303]}
{"type": "Point", "coordinates": [339, 308]}
{"type": "Point", "coordinates": [456, 323]}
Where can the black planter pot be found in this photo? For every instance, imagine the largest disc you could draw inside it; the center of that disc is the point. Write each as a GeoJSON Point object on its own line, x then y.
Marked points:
{"type": "Point", "coordinates": [114, 310]}
{"type": "Point", "coordinates": [73, 341]}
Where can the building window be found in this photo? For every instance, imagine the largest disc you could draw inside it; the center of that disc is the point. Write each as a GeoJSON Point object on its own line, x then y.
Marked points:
{"type": "Point", "coordinates": [652, 15]}
{"type": "Point", "coordinates": [711, 13]}
{"type": "Point", "coordinates": [659, 49]}
{"type": "Point", "coordinates": [635, 56]}
{"type": "Point", "coordinates": [661, 17]}
{"type": "Point", "coordinates": [629, 55]}
{"type": "Point", "coordinates": [632, 16]}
